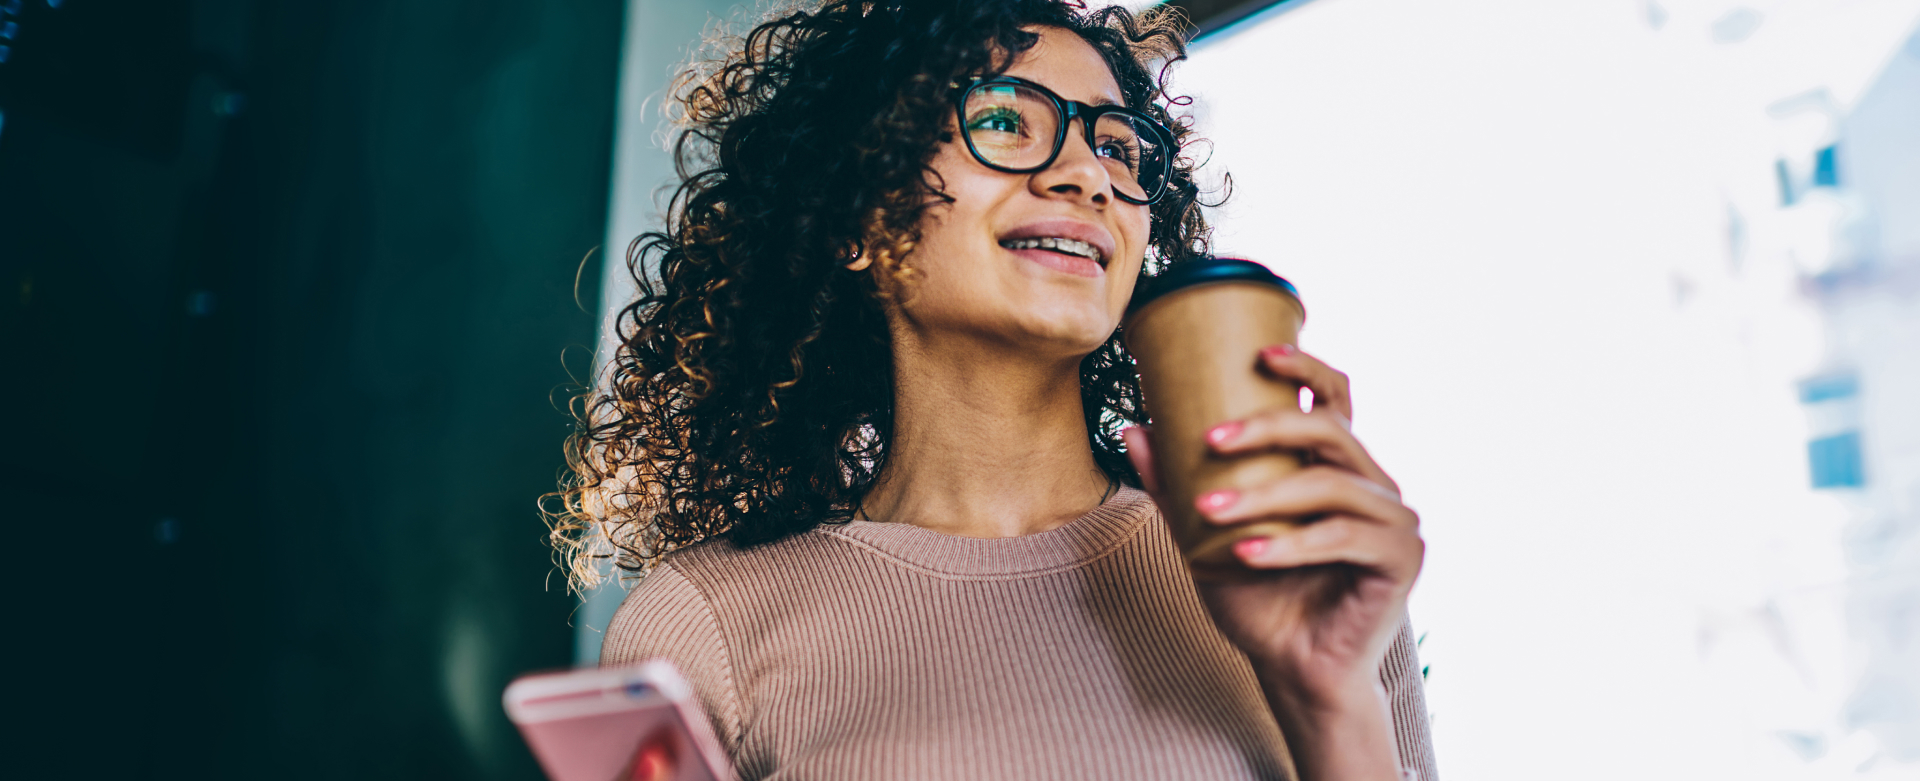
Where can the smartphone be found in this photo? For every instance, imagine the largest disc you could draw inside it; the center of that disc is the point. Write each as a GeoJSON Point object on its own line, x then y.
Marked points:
{"type": "Point", "coordinates": [630, 723]}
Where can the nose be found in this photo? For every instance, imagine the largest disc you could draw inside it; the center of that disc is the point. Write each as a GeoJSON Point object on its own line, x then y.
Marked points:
{"type": "Point", "coordinates": [1076, 173]}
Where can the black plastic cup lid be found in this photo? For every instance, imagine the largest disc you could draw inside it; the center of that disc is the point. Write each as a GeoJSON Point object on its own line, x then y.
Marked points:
{"type": "Point", "coordinates": [1203, 271]}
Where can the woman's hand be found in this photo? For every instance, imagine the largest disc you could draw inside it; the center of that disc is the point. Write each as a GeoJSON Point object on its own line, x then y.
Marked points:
{"type": "Point", "coordinates": [1317, 624]}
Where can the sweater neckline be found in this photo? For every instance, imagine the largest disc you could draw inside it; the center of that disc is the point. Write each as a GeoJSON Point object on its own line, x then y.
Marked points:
{"type": "Point", "coordinates": [1094, 535]}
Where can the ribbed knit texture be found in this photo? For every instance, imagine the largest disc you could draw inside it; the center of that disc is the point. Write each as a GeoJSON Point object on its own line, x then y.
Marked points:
{"type": "Point", "coordinates": [888, 651]}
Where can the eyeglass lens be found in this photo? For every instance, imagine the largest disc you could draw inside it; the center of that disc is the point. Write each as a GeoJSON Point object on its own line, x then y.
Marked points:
{"type": "Point", "coordinates": [1014, 126]}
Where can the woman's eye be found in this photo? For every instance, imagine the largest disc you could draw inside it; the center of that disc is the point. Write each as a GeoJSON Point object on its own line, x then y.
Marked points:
{"type": "Point", "coordinates": [996, 121]}
{"type": "Point", "coordinates": [1117, 150]}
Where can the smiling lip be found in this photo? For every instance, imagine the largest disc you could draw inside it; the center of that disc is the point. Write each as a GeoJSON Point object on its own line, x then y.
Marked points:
{"type": "Point", "coordinates": [1092, 234]}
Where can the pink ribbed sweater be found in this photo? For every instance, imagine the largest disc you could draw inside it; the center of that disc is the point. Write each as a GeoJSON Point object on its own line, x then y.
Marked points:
{"type": "Point", "coordinates": [887, 651]}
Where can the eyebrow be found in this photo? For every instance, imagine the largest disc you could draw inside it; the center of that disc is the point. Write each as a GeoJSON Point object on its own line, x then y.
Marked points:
{"type": "Point", "coordinates": [1110, 98]}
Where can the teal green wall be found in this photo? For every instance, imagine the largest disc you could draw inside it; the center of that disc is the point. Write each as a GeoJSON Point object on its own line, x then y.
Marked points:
{"type": "Point", "coordinates": [279, 400]}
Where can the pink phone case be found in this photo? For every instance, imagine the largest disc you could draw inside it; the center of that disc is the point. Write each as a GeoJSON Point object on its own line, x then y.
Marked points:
{"type": "Point", "coordinates": [631, 723]}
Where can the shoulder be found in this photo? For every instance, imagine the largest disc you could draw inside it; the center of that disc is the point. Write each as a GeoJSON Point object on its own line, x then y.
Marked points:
{"type": "Point", "coordinates": [725, 574]}
{"type": "Point", "coordinates": [688, 611]}
{"type": "Point", "coordinates": [686, 597]}
{"type": "Point", "coordinates": [666, 612]}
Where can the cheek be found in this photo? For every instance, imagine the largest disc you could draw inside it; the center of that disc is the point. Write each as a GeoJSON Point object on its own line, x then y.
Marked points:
{"type": "Point", "coordinates": [950, 230]}
{"type": "Point", "coordinates": [974, 191]}
{"type": "Point", "coordinates": [1140, 227]}
{"type": "Point", "coordinates": [1135, 230]}
{"type": "Point", "coordinates": [947, 168]}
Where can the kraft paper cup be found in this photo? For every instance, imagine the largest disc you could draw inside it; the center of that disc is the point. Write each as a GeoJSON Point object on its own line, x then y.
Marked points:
{"type": "Point", "coordinates": [1196, 332]}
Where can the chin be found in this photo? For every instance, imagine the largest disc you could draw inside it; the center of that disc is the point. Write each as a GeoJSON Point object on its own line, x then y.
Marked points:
{"type": "Point", "coordinates": [1073, 337]}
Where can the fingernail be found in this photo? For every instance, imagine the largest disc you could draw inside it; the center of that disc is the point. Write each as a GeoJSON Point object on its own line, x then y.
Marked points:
{"type": "Point", "coordinates": [1250, 547]}
{"type": "Point", "coordinates": [1221, 434]}
{"type": "Point", "coordinates": [1277, 351]}
{"type": "Point", "coordinates": [1217, 500]}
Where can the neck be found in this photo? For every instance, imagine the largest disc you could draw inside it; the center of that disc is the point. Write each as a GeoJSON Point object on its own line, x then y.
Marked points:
{"type": "Point", "coordinates": [986, 443]}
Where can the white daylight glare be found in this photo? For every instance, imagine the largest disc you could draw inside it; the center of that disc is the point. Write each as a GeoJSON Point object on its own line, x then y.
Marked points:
{"type": "Point", "coordinates": [1618, 284]}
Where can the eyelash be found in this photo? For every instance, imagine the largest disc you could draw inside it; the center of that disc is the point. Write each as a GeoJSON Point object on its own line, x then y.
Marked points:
{"type": "Point", "coordinates": [982, 120]}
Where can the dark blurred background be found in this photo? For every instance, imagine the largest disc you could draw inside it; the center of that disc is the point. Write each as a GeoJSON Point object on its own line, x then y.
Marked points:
{"type": "Point", "coordinates": [288, 287]}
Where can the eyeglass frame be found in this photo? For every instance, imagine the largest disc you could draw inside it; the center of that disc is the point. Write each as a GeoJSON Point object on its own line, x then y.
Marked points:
{"type": "Point", "coordinates": [1068, 110]}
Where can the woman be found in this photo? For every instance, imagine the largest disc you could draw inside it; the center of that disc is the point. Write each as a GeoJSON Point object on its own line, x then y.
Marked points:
{"type": "Point", "coordinates": [864, 431]}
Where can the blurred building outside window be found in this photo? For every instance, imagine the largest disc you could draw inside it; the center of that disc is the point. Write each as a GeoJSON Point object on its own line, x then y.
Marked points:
{"type": "Point", "coordinates": [1628, 290]}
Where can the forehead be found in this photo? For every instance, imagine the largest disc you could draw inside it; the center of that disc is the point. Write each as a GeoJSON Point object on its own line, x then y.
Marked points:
{"type": "Point", "coordinates": [1064, 62]}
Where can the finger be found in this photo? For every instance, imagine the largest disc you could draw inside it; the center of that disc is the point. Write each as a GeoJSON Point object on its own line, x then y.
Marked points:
{"type": "Point", "coordinates": [1394, 552]}
{"type": "Point", "coordinates": [1329, 385]}
{"type": "Point", "coordinates": [1311, 492]}
{"type": "Point", "coordinates": [1140, 452]}
{"type": "Point", "coordinates": [1322, 433]}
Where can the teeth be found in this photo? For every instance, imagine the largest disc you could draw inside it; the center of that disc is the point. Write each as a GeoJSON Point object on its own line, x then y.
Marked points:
{"type": "Point", "coordinates": [1069, 246]}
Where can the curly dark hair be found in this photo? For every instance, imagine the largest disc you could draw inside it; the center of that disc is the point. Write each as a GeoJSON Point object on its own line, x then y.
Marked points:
{"type": "Point", "coordinates": [751, 396]}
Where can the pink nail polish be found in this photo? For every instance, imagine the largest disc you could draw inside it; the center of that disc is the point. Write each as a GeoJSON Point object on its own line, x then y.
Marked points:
{"type": "Point", "coordinates": [1221, 434]}
{"type": "Point", "coordinates": [1251, 547]}
{"type": "Point", "coordinates": [1217, 500]}
{"type": "Point", "coordinates": [1277, 351]}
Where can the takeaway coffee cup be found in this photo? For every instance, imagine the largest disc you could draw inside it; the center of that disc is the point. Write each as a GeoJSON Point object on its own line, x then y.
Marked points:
{"type": "Point", "coordinates": [1196, 331]}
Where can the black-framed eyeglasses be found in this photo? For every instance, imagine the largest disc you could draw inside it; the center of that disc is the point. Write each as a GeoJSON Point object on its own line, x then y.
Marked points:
{"type": "Point", "coordinates": [1019, 127]}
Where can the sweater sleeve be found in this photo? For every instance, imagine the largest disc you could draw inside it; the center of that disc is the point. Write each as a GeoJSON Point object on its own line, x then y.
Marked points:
{"type": "Point", "coordinates": [1407, 696]}
{"type": "Point", "coordinates": [667, 617]}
